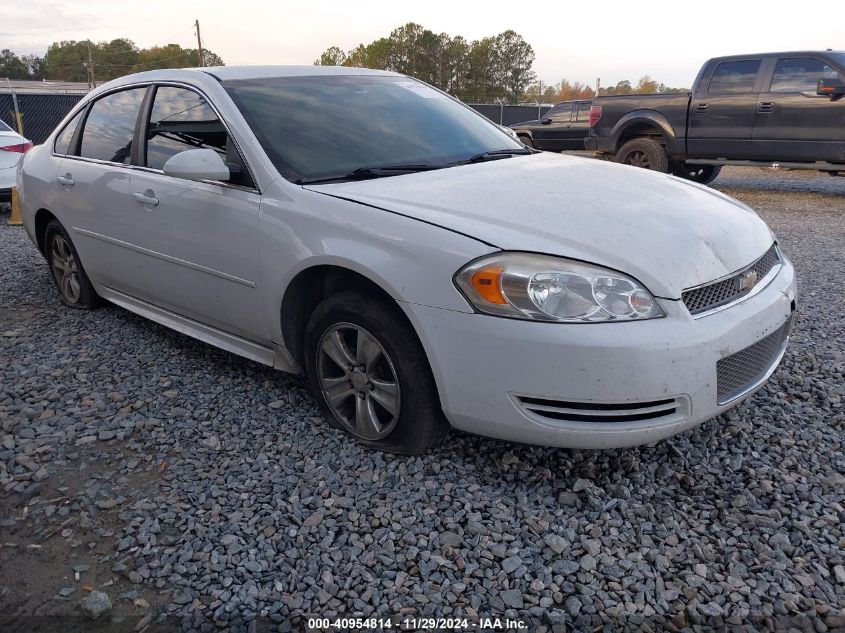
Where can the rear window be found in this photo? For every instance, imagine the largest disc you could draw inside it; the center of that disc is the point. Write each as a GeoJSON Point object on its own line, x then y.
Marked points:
{"type": "Point", "coordinates": [110, 126]}
{"type": "Point", "coordinates": [732, 77]}
{"type": "Point", "coordinates": [583, 111]}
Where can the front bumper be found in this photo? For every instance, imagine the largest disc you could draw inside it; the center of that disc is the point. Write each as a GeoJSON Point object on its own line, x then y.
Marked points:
{"type": "Point", "coordinates": [487, 367]}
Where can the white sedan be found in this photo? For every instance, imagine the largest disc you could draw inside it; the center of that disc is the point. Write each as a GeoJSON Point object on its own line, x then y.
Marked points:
{"type": "Point", "coordinates": [417, 263]}
{"type": "Point", "coordinates": [12, 147]}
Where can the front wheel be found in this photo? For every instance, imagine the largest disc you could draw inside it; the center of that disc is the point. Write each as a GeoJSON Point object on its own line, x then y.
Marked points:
{"type": "Point", "coordinates": [647, 153]}
{"type": "Point", "coordinates": [371, 376]}
{"type": "Point", "coordinates": [704, 174]}
{"type": "Point", "coordinates": [526, 140]}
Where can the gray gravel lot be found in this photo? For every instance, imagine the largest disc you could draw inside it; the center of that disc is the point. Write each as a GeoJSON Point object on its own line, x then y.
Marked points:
{"type": "Point", "coordinates": [193, 485]}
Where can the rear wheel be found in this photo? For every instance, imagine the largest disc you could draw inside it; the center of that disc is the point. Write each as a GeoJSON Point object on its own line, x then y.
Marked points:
{"type": "Point", "coordinates": [647, 153]}
{"type": "Point", "coordinates": [526, 140]}
{"type": "Point", "coordinates": [705, 174]}
{"type": "Point", "coordinates": [75, 289]}
{"type": "Point", "coordinates": [371, 376]}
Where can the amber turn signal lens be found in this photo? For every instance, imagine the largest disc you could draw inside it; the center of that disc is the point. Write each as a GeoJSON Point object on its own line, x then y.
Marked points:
{"type": "Point", "coordinates": [487, 284]}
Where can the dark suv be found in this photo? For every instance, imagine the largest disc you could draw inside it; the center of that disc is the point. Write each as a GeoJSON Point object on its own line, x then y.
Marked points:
{"type": "Point", "coordinates": [565, 126]}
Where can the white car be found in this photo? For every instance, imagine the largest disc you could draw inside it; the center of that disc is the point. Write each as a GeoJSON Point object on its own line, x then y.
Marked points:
{"type": "Point", "coordinates": [12, 147]}
{"type": "Point", "coordinates": [417, 263]}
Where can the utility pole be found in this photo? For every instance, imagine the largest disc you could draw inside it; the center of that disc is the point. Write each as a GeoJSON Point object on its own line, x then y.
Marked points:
{"type": "Point", "coordinates": [199, 43]}
{"type": "Point", "coordinates": [92, 82]}
{"type": "Point", "coordinates": [598, 85]}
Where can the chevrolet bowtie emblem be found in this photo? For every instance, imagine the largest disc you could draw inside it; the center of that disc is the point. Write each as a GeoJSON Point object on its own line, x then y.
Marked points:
{"type": "Point", "coordinates": [747, 280]}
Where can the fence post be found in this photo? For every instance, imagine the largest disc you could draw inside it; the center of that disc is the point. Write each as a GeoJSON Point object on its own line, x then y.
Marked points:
{"type": "Point", "coordinates": [18, 116]}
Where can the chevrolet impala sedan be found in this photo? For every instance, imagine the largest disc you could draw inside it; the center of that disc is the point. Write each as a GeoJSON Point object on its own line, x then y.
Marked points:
{"type": "Point", "coordinates": [420, 266]}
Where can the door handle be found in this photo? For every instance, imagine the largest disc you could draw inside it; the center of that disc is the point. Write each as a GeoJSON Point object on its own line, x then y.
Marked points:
{"type": "Point", "coordinates": [766, 106]}
{"type": "Point", "coordinates": [702, 107]}
{"type": "Point", "coordinates": [66, 180]}
{"type": "Point", "coordinates": [143, 198]}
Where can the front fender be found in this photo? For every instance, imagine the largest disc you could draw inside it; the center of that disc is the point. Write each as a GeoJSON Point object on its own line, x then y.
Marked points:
{"type": "Point", "coordinates": [413, 261]}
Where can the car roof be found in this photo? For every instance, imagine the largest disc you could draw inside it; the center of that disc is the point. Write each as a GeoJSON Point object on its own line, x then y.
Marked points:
{"type": "Point", "coordinates": [778, 54]}
{"type": "Point", "coordinates": [225, 73]}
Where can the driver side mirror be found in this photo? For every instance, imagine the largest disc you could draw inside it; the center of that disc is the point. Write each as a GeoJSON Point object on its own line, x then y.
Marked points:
{"type": "Point", "coordinates": [197, 164]}
{"type": "Point", "coordinates": [545, 120]}
{"type": "Point", "coordinates": [831, 88]}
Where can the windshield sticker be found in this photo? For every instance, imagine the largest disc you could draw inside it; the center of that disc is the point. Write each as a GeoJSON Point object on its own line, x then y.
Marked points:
{"type": "Point", "coordinates": [421, 89]}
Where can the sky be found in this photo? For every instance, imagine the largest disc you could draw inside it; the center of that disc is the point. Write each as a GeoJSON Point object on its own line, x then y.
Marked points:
{"type": "Point", "coordinates": [581, 41]}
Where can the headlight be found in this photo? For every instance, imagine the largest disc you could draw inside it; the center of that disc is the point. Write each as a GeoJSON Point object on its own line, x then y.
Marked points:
{"type": "Point", "coordinates": [544, 288]}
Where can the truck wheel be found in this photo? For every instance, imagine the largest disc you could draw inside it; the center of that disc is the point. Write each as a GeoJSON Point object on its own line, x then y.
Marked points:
{"type": "Point", "coordinates": [526, 140]}
{"type": "Point", "coordinates": [644, 152]}
{"type": "Point", "coordinates": [704, 174]}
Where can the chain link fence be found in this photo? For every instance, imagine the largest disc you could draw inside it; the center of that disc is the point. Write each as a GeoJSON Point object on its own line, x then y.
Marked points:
{"type": "Point", "coordinates": [508, 114]}
{"type": "Point", "coordinates": [35, 114]}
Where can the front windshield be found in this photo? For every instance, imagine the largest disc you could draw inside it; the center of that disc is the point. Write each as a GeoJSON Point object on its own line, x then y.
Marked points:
{"type": "Point", "coordinates": [323, 127]}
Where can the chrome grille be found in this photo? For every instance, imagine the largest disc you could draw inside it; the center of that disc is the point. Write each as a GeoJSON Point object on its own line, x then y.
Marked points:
{"type": "Point", "coordinates": [740, 372]}
{"type": "Point", "coordinates": [601, 411]}
{"type": "Point", "coordinates": [719, 293]}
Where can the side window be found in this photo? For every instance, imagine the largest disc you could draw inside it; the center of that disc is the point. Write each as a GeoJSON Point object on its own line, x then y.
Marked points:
{"type": "Point", "coordinates": [583, 111]}
{"type": "Point", "coordinates": [63, 140]}
{"type": "Point", "coordinates": [800, 74]}
{"type": "Point", "coordinates": [731, 77]}
{"type": "Point", "coordinates": [110, 126]}
{"type": "Point", "coordinates": [561, 112]}
{"type": "Point", "coordinates": [180, 120]}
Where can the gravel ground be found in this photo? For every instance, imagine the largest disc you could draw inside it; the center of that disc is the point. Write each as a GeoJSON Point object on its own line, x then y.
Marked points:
{"type": "Point", "coordinates": [203, 491]}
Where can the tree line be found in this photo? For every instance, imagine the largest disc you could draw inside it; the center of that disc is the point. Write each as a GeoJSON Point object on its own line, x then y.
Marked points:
{"type": "Point", "coordinates": [69, 60]}
{"type": "Point", "coordinates": [492, 67]}
{"type": "Point", "coordinates": [484, 70]}
{"type": "Point", "coordinates": [570, 91]}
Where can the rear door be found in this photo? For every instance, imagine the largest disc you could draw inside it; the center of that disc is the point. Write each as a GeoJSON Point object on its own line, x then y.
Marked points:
{"type": "Point", "coordinates": [554, 129]}
{"type": "Point", "coordinates": [580, 126]}
{"type": "Point", "coordinates": [792, 122]}
{"type": "Point", "coordinates": [721, 116]}
{"type": "Point", "coordinates": [94, 202]}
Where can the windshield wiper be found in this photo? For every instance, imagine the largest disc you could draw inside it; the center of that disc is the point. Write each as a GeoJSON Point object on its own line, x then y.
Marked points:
{"type": "Point", "coordinates": [379, 171]}
{"type": "Point", "coordinates": [499, 153]}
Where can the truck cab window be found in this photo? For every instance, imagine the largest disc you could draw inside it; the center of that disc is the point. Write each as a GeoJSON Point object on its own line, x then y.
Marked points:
{"type": "Point", "coordinates": [734, 76]}
{"type": "Point", "coordinates": [800, 74]}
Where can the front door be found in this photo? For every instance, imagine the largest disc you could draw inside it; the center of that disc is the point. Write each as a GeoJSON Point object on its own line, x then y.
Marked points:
{"type": "Point", "coordinates": [793, 122]}
{"type": "Point", "coordinates": [721, 115]}
{"type": "Point", "coordinates": [200, 237]}
{"type": "Point", "coordinates": [554, 128]}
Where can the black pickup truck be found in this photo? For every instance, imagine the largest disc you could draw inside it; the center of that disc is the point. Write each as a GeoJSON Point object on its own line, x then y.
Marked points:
{"type": "Point", "coordinates": [783, 109]}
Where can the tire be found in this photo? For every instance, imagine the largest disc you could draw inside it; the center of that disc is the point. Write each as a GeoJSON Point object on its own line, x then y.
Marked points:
{"type": "Point", "coordinates": [415, 422]}
{"type": "Point", "coordinates": [526, 140]}
{"type": "Point", "coordinates": [704, 174]}
{"type": "Point", "coordinates": [75, 289]}
{"type": "Point", "coordinates": [647, 153]}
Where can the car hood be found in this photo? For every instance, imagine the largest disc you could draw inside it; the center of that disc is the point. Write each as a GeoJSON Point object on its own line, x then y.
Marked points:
{"type": "Point", "coordinates": [668, 233]}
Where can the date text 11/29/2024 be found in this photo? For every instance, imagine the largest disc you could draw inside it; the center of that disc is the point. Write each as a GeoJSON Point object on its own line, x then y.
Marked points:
{"type": "Point", "coordinates": [412, 623]}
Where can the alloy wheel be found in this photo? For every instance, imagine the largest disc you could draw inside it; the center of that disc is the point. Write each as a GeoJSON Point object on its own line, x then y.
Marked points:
{"type": "Point", "coordinates": [65, 269]}
{"type": "Point", "coordinates": [359, 381]}
{"type": "Point", "coordinates": [637, 158]}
